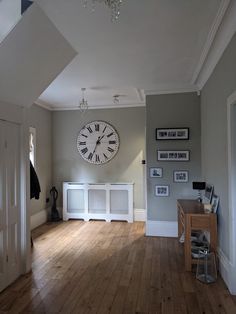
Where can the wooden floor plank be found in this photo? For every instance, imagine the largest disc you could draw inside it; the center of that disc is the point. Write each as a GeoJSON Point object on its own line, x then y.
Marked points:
{"type": "Point", "coordinates": [99, 267]}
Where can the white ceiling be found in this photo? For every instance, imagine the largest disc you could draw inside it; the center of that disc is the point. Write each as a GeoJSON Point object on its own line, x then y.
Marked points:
{"type": "Point", "coordinates": [155, 46]}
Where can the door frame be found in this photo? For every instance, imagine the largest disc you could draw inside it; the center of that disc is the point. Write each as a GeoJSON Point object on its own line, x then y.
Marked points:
{"type": "Point", "coordinates": [231, 106]}
{"type": "Point", "coordinates": [25, 195]}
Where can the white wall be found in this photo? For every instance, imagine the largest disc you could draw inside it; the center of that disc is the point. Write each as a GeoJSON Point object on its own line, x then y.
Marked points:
{"type": "Point", "coordinates": [31, 57]}
{"type": "Point", "coordinates": [10, 13]}
{"type": "Point", "coordinates": [11, 112]}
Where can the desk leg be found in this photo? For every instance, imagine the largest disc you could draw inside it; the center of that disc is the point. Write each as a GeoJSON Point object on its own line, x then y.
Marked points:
{"type": "Point", "coordinates": [213, 233]}
{"type": "Point", "coordinates": [187, 244]}
{"type": "Point", "coordinates": [180, 226]}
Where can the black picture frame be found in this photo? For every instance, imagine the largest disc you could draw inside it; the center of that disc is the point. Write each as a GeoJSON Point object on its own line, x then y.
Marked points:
{"type": "Point", "coordinates": [180, 176]}
{"type": "Point", "coordinates": [173, 155]}
{"type": "Point", "coordinates": [167, 134]}
{"type": "Point", "coordinates": [215, 203]}
{"type": "Point", "coordinates": [208, 193]}
{"type": "Point", "coordinates": [162, 190]}
{"type": "Point", "coordinates": [156, 172]}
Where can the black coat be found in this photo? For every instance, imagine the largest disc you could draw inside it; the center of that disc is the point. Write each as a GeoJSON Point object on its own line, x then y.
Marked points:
{"type": "Point", "coordinates": [34, 183]}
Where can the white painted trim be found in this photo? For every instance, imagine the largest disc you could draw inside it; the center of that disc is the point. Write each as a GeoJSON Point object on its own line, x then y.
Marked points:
{"type": "Point", "coordinates": [25, 195]}
{"type": "Point", "coordinates": [210, 38]}
{"type": "Point", "coordinates": [139, 214]}
{"type": "Point", "coordinates": [226, 30]}
{"type": "Point", "coordinates": [224, 266]}
{"type": "Point", "coordinates": [231, 102]}
{"type": "Point", "coordinates": [140, 94]}
{"type": "Point", "coordinates": [162, 228]}
{"type": "Point", "coordinates": [38, 219]}
{"type": "Point", "coordinates": [43, 105]}
{"type": "Point", "coordinates": [187, 89]}
{"type": "Point", "coordinates": [100, 107]}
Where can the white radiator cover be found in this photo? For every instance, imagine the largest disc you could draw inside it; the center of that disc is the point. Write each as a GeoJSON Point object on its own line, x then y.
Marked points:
{"type": "Point", "coordinates": [107, 201]}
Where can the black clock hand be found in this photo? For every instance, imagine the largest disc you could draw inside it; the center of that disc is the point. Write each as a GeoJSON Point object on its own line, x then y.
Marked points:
{"type": "Point", "coordinates": [95, 147]}
{"type": "Point", "coordinates": [99, 139]}
{"type": "Point", "coordinates": [97, 143]}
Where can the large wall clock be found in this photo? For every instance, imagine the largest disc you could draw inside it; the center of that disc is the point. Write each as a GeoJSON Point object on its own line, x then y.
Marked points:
{"type": "Point", "coordinates": [98, 142]}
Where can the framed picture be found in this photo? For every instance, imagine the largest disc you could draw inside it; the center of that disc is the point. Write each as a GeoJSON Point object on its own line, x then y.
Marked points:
{"type": "Point", "coordinates": [215, 203]}
{"type": "Point", "coordinates": [173, 155]}
{"type": "Point", "coordinates": [156, 172]}
{"type": "Point", "coordinates": [162, 190]}
{"type": "Point", "coordinates": [181, 176]}
{"type": "Point", "coordinates": [208, 193]}
{"type": "Point", "coordinates": [172, 134]}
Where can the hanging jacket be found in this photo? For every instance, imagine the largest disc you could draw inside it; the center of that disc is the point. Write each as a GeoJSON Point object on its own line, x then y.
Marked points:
{"type": "Point", "coordinates": [34, 183]}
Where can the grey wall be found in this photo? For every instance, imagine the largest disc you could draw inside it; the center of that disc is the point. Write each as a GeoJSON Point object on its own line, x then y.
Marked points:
{"type": "Point", "coordinates": [124, 167]}
{"type": "Point", "coordinates": [11, 113]}
{"type": "Point", "coordinates": [221, 84]}
{"type": "Point", "coordinates": [170, 111]}
{"type": "Point", "coordinates": [41, 119]}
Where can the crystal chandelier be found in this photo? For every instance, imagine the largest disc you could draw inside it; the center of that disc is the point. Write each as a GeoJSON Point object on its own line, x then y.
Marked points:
{"type": "Point", "coordinates": [113, 5]}
{"type": "Point", "coordinates": [83, 105]}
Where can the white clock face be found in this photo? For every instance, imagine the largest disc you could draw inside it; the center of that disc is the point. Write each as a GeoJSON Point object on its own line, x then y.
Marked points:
{"type": "Point", "coordinates": [98, 142]}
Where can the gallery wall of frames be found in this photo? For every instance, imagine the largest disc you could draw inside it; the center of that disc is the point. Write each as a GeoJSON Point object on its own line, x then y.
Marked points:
{"type": "Point", "coordinates": [171, 155]}
{"type": "Point", "coordinates": [179, 175]}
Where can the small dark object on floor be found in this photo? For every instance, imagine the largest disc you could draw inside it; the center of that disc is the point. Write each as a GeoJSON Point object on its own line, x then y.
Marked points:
{"type": "Point", "coordinates": [54, 212]}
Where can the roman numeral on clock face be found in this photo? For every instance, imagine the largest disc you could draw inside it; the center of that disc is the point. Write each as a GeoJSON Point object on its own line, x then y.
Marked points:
{"type": "Point", "coordinates": [110, 149]}
{"type": "Point", "coordinates": [109, 135]}
{"type": "Point", "coordinates": [89, 129]}
{"type": "Point", "coordinates": [97, 126]}
{"type": "Point", "coordinates": [84, 150]}
{"type": "Point", "coordinates": [82, 143]}
{"type": "Point", "coordinates": [97, 158]}
{"type": "Point", "coordinates": [112, 142]}
{"type": "Point", "coordinates": [90, 156]}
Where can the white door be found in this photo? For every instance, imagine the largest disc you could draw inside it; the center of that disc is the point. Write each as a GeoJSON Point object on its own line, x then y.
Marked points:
{"type": "Point", "coordinates": [9, 203]}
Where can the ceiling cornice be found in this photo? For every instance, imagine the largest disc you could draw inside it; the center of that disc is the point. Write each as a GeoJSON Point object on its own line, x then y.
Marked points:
{"type": "Point", "coordinates": [101, 107]}
{"type": "Point", "coordinates": [112, 106]}
{"type": "Point", "coordinates": [43, 105]}
{"type": "Point", "coordinates": [186, 89]}
{"type": "Point", "coordinates": [223, 34]}
{"type": "Point", "coordinates": [210, 38]}
{"type": "Point", "coordinates": [140, 94]}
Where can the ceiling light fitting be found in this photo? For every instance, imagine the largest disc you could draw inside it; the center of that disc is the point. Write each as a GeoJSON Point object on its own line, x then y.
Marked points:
{"type": "Point", "coordinates": [116, 99]}
{"type": "Point", "coordinates": [83, 105]}
{"type": "Point", "coordinates": [113, 5]}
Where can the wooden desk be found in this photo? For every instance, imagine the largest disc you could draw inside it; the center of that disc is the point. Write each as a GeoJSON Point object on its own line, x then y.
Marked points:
{"type": "Point", "coordinates": [191, 217]}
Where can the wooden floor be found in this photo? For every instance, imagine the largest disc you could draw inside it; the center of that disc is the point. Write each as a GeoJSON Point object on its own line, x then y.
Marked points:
{"type": "Point", "coordinates": [98, 267]}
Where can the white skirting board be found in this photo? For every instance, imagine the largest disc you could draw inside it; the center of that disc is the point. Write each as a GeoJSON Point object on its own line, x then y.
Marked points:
{"type": "Point", "coordinates": [227, 272]}
{"type": "Point", "coordinates": [139, 214]}
{"type": "Point", "coordinates": [38, 219]}
{"type": "Point", "coordinates": [162, 228]}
